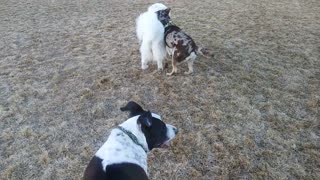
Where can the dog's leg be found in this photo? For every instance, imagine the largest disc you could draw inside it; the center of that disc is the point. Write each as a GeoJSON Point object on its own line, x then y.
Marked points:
{"type": "Point", "coordinates": [190, 66]}
{"type": "Point", "coordinates": [146, 54]}
{"type": "Point", "coordinates": [174, 65]}
{"type": "Point", "coordinates": [160, 65]}
{"type": "Point", "coordinates": [159, 54]}
{"type": "Point", "coordinates": [169, 52]}
{"type": "Point", "coordinates": [190, 59]}
{"type": "Point", "coordinates": [174, 70]}
{"type": "Point", "coordinates": [168, 56]}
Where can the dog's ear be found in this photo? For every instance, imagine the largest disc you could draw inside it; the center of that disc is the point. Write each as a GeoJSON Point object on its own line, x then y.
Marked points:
{"type": "Point", "coordinates": [146, 119]}
{"type": "Point", "coordinates": [164, 12]}
{"type": "Point", "coordinates": [134, 109]}
{"type": "Point", "coordinates": [169, 12]}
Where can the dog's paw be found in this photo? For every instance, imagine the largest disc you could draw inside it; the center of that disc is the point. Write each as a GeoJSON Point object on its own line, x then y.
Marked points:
{"type": "Point", "coordinates": [188, 72]}
{"type": "Point", "coordinates": [170, 74]}
{"type": "Point", "coordinates": [144, 66]}
{"type": "Point", "coordinates": [160, 66]}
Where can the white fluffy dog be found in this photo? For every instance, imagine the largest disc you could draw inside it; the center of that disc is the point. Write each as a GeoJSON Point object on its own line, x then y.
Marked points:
{"type": "Point", "coordinates": [150, 33]}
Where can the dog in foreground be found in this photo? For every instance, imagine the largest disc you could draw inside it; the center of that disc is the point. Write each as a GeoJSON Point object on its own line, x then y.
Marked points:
{"type": "Point", "coordinates": [179, 45]}
{"type": "Point", "coordinates": [124, 155]}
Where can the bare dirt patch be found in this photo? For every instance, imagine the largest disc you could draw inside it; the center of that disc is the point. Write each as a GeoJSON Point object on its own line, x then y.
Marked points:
{"type": "Point", "coordinates": [251, 112]}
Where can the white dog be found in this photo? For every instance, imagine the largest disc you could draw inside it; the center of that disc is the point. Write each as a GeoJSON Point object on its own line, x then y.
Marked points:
{"type": "Point", "coordinates": [150, 33]}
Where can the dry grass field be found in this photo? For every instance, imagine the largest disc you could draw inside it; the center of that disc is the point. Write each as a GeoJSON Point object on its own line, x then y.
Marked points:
{"type": "Point", "coordinates": [251, 112]}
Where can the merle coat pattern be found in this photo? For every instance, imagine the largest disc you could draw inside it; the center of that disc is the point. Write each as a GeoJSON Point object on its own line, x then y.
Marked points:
{"type": "Point", "coordinates": [178, 44]}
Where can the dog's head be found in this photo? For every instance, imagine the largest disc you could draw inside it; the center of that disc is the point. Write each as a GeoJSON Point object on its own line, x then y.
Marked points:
{"type": "Point", "coordinates": [156, 7]}
{"type": "Point", "coordinates": [164, 16]}
{"type": "Point", "coordinates": [157, 133]}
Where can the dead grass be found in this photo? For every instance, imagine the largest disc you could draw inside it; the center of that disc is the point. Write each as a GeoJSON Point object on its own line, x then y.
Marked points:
{"type": "Point", "coordinates": [251, 112]}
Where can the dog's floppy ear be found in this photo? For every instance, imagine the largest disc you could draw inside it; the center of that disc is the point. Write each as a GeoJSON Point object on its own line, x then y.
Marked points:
{"type": "Point", "coordinates": [134, 109]}
{"type": "Point", "coordinates": [146, 119]}
{"type": "Point", "coordinates": [167, 11]}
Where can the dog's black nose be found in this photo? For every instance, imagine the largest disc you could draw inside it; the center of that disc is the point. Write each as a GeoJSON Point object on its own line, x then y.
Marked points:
{"type": "Point", "coordinates": [175, 130]}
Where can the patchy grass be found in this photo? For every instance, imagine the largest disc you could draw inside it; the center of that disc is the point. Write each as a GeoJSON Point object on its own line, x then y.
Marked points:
{"type": "Point", "coordinates": [251, 112]}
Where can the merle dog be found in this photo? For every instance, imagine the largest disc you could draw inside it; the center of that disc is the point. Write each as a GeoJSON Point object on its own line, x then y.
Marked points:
{"type": "Point", "coordinates": [124, 155]}
{"type": "Point", "coordinates": [178, 44]}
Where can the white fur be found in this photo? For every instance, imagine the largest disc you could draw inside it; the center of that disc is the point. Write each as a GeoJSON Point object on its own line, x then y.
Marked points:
{"type": "Point", "coordinates": [156, 116]}
{"type": "Point", "coordinates": [170, 132]}
{"type": "Point", "coordinates": [150, 33]}
{"type": "Point", "coordinates": [129, 151]}
{"type": "Point", "coordinates": [156, 7]}
{"type": "Point", "coordinates": [192, 57]}
{"type": "Point", "coordinates": [120, 148]}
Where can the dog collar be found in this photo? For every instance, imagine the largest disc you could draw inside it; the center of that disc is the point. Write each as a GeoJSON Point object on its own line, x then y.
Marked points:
{"type": "Point", "coordinates": [133, 138]}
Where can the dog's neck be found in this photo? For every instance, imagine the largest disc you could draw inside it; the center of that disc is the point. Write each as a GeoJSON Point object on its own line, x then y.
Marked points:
{"type": "Point", "coordinates": [120, 148]}
{"type": "Point", "coordinates": [169, 23]}
{"type": "Point", "coordinates": [166, 23]}
{"type": "Point", "coordinates": [133, 138]}
{"type": "Point", "coordinates": [168, 26]}
{"type": "Point", "coordinates": [133, 128]}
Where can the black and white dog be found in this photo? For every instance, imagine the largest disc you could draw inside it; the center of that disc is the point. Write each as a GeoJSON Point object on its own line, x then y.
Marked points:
{"type": "Point", "coordinates": [178, 44]}
{"type": "Point", "coordinates": [124, 155]}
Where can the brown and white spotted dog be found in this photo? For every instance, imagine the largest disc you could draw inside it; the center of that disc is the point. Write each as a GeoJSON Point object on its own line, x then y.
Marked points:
{"type": "Point", "coordinates": [179, 45]}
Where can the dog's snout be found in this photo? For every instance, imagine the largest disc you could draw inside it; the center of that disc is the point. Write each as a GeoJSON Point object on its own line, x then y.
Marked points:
{"type": "Point", "coordinates": [175, 130]}
{"type": "Point", "coordinates": [171, 131]}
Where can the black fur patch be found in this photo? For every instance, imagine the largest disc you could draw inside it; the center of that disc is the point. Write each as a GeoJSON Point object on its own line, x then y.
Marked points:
{"type": "Point", "coordinates": [156, 133]}
{"type": "Point", "coordinates": [134, 109]}
{"type": "Point", "coordinates": [123, 171]}
{"type": "Point", "coordinates": [154, 129]}
{"type": "Point", "coordinates": [94, 170]}
{"type": "Point", "coordinates": [163, 16]}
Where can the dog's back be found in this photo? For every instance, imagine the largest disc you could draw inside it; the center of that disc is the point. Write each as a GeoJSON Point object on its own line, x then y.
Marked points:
{"type": "Point", "coordinates": [123, 171]}
{"type": "Point", "coordinates": [117, 159]}
{"type": "Point", "coordinates": [183, 43]}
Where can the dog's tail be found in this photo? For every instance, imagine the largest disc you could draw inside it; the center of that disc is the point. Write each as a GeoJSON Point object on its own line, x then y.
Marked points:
{"type": "Point", "coordinates": [205, 52]}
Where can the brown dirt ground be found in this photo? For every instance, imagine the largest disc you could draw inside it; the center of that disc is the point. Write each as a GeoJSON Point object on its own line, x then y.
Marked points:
{"type": "Point", "coordinates": [251, 112]}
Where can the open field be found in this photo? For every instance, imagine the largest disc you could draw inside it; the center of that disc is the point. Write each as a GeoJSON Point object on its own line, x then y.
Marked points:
{"type": "Point", "coordinates": [251, 112]}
